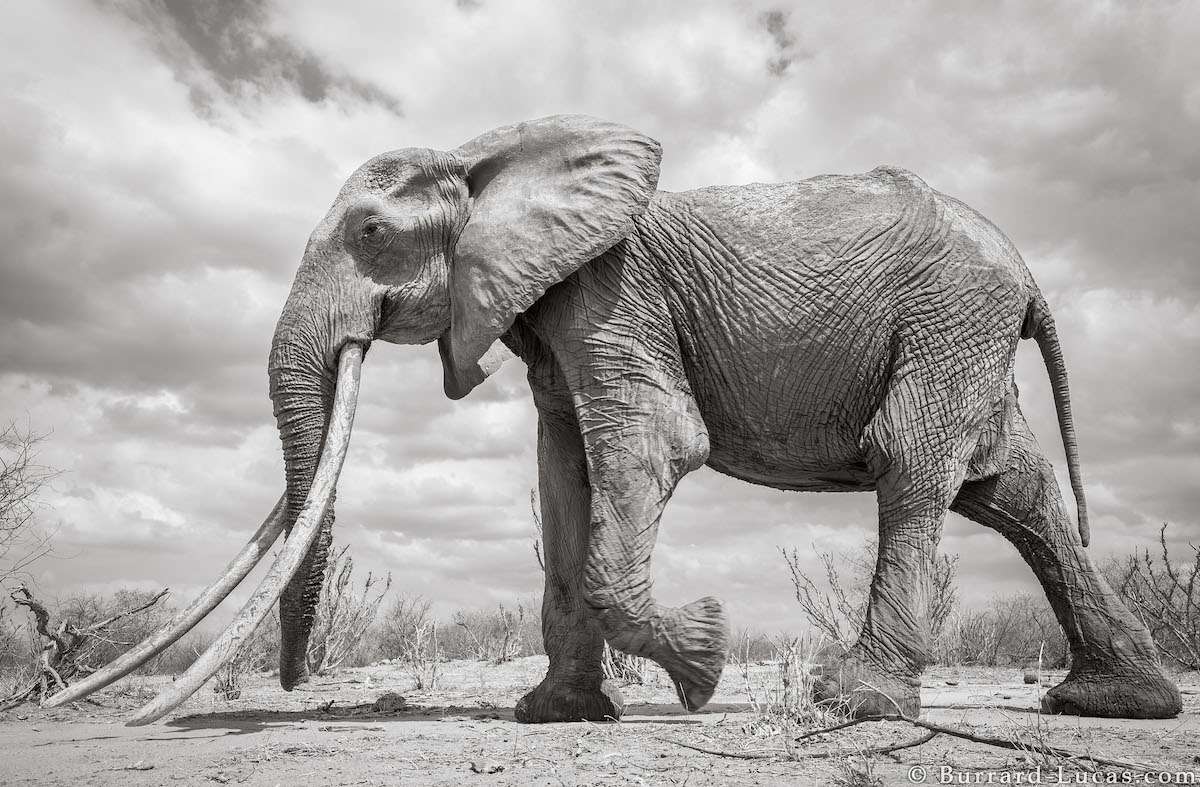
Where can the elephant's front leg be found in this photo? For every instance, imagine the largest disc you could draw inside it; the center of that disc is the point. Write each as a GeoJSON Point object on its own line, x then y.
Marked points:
{"type": "Point", "coordinates": [574, 688]}
{"type": "Point", "coordinates": [639, 443]}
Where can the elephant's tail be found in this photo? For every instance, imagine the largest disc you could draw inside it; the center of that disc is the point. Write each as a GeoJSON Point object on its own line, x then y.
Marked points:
{"type": "Point", "coordinates": [1039, 325]}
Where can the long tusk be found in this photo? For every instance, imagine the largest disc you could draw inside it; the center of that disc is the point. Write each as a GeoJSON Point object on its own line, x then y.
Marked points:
{"type": "Point", "coordinates": [250, 556]}
{"type": "Point", "coordinates": [337, 439]}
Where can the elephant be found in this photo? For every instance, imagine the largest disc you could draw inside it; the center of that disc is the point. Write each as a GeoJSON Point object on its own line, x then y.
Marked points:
{"type": "Point", "coordinates": [842, 333]}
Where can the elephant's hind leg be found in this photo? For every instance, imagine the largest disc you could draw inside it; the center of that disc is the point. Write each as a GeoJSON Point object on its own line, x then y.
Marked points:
{"type": "Point", "coordinates": [881, 673]}
{"type": "Point", "coordinates": [1114, 670]}
{"type": "Point", "coordinates": [574, 688]}
{"type": "Point", "coordinates": [917, 447]}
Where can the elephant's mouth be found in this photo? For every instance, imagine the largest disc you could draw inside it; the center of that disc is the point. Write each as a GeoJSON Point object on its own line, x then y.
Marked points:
{"type": "Point", "coordinates": [286, 564]}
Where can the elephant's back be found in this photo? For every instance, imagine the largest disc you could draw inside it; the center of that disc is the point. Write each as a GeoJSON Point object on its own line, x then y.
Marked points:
{"type": "Point", "coordinates": [790, 297]}
{"type": "Point", "coordinates": [823, 221]}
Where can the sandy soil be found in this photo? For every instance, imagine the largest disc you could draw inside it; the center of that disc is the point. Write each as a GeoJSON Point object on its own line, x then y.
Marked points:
{"type": "Point", "coordinates": [464, 733]}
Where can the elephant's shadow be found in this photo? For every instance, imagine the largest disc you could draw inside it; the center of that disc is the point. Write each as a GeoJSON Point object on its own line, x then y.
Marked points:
{"type": "Point", "coordinates": [348, 718]}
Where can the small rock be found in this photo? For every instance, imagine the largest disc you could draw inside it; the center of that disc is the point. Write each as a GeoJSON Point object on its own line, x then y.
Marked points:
{"type": "Point", "coordinates": [1030, 677]}
{"type": "Point", "coordinates": [140, 765]}
{"type": "Point", "coordinates": [389, 702]}
{"type": "Point", "coordinates": [490, 766]}
{"type": "Point", "coordinates": [951, 683]}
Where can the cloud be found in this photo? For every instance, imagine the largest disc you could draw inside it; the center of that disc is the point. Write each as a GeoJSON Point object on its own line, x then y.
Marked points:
{"type": "Point", "coordinates": [230, 48]}
{"type": "Point", "coordinates": [165, 162]}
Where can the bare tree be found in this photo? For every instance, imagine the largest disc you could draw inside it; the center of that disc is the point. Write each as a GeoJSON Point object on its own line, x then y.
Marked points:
{"type": "Point", "coordinates": [839, 611]}
{"type": "Point", "coordinates": [1166, 596]}
{"type": "Point", "coordinates": [22, 478]}
{"type": "Point", "coordinates": [68, 648]}
{"type": "Point", "coordinates": [344, 613]}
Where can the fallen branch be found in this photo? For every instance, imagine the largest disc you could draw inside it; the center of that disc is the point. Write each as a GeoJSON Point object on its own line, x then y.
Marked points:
{"type": "Point", "coordinates": [933, 730]}
{"type": "Point", "coordinates": [815, 755]}
{"type": "Point", "coordinates": [65, 648]}
{"type": "Point", "coordinates": [733, 755]}
{"type": "Point", "coordinates": [987, 740]}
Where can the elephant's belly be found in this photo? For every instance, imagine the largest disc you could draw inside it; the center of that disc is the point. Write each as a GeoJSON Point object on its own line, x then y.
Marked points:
{"type": "Point", "coordinates": [847, 478]}
{"type": "Point", "coordinates": [791, 418]}
{"type": "Point", "coordinates": [787, 470]}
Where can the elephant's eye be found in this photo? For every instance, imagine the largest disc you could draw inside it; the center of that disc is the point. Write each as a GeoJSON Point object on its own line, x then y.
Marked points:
{"type": "Point", "coordinates": [371, 230]}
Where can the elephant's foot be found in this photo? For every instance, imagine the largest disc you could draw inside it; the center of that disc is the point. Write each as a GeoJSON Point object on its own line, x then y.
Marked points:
{"type": "Point", "coordinates": [558, 700]}
{"type": "Point", "coordinates": [1132, 694]}
{"type": "Point", "coordinates": [853, 681]}
{"type": "Point", "coordinates": [697, 643]}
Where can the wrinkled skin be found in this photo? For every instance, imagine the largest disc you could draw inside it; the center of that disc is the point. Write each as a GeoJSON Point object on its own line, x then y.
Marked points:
{"type": "Point", "coordinates": [843, 333]}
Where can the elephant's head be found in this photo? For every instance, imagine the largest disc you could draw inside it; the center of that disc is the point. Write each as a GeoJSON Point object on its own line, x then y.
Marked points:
{"type": "Point", "coordinates": [424, 244]}
{"type": "Point", "coordinates": [418, 245]}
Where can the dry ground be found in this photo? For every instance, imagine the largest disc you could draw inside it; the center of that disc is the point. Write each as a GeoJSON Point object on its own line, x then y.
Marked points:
{"type": "Point", "coordinates": [328, 733]}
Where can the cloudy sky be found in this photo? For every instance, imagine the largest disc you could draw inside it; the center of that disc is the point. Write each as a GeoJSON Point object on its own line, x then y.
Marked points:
{"type": "Point", "coordinates": [162, 163]}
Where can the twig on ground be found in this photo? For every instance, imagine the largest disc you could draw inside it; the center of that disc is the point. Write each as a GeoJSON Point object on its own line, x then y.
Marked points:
{"type": "Point", "coordinates": [987, 740]}
{"type": "Point", "coordinates": [933, 731]}
{"type": "Point", "coordinates": [815, 755]}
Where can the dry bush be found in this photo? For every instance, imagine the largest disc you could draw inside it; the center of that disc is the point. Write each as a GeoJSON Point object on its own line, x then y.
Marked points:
{"type": "Point", "coordinates": [344, 614]}
{"type": "Point", "coordinates": [85, 609]}
{"type": "Point", "coordinates": [839, 612]}
{"type": "Point", "coordinates": [22, 478]}
{"type": "Point", "coordinates": [858, 771]}
{"type": "Point", "coordinates": [1166, 596]}
{"type": "Point", "coordinates": [496, 634]}
{"type": "Point", "coordinates": [623, 668]}
{"type": "Point", "coordinates": [409, 633]}
{"type": "Point", "coordinates": [780, 689]}
{"type": "Point", "coordinates": [1016, 629]}
{"type": "Point", "coordinates": [756, 646]}
{"type": "Point", "coordinates": [19, 651]}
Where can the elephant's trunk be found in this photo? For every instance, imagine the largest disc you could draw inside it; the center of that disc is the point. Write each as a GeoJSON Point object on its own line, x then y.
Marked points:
{"type": "Point", "coordinates": [302, 404]}
{"type": "Point", "coordinates": [302, 372]}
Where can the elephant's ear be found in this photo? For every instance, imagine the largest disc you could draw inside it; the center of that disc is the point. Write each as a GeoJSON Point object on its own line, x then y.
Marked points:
{"type": "Point", "coordinates": [548, 195]}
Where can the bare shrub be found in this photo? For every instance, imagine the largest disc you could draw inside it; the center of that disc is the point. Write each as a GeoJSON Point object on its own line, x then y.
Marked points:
{"type": "Point", "coordinates": [227, 683]}
{"type": "Point", "coordinates": [838, 613]}
{"type": "Point", "coordinates": [408, 632]}
{"type": "Point", "coordinates": [856, 772]}
{"type": "Point", "coordinates": [344, 614]}
{"type": "Point", "coordinates": [756, 646]}
{"type": "Point", "coordinates": [86, 609]}
{"type": "Point", "coordinates": [22, 478]}
{"type": "Point", "coordinates": [780, 689]}
{"type": "Point", "coordinates": [623, 668]}
{"type": "Point", "coordinates": [496, 634]}
{"type": "Point", "coordinates": [1016, 629]}
{"type": "Point", "coordinates": [19, 651]}
{"type": "Point", "coordinates": [1166, 596]}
